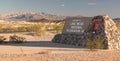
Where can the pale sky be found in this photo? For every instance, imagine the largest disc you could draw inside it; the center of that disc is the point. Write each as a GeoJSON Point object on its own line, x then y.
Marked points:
{"type": "Point", "coordinates": [63, 7]}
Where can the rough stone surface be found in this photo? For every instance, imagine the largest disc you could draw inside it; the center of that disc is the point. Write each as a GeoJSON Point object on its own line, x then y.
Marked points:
{"type": "Point", "coordinates": [100, 26]}
{"type": "Point", "coordinates": [112, 33]}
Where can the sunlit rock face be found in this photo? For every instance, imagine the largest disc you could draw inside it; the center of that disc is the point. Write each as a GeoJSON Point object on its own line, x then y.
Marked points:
{"type": "Point", "coordinates": [77, 31]}
{"type": "Point", "coordinates": [112, 33]}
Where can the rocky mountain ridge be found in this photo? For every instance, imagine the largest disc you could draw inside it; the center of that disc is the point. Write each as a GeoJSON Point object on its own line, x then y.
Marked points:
{"type": "Point", "coordinates": [29, 16]}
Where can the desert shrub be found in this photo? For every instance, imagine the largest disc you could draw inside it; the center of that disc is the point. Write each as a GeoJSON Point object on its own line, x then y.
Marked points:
{"type": "Point", "coordinates": [41, 31]}
{"type": "Point", "coordinates": [58, 28]}
{"type": "Point", "coordinates": [1, 28]}
{"type": "Point", "coordinates": [44, 52]}
{"type": "Point", "coordinates": [37, 28]}
{"type": "Point", "coordinates": [2, 39]}
{"type": "Point", "coordinates": [99, 43]}
{"type": "Point", "coordinates": [96, 44]}
{"type": "Point", "coordinates": [22, 29]}
{"type": "Point", "coordinates": [33, 28]}
{"type": "Point", "coordinates": [9, 29]}
{"type": "Point", "coordinates": [118, 25]}
{"type": "Point", "coordinates": [17, 39]}
{"type": "Point", "coordinates": [90, 44]}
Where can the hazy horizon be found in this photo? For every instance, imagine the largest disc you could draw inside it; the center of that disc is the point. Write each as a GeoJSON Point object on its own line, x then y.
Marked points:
{"type": "Point", "coordinates": [63, 7]}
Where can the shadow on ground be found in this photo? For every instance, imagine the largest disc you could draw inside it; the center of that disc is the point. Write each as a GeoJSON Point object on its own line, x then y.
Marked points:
{"type": "Point", "coordinates": [40, 44]}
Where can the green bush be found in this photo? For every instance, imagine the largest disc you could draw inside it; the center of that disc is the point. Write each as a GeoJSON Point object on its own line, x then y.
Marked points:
{"type": "Point", "coordinates": [2, 39]}
{"type": "Point", "coordinates": [17, 39]}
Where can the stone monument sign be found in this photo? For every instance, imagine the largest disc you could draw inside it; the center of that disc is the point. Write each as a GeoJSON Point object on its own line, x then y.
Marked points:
{"type": "Point", "coordinates": [77, 31]}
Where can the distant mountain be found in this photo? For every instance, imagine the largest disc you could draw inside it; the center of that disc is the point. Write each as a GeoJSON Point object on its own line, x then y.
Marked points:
{"type": "Point", "coordinates": [30, 16]}
{"type": "Point", "coordinates": [116, 19]}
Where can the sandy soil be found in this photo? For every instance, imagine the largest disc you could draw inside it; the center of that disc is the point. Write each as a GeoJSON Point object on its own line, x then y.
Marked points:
{"type": "Point", "coordinates": [29, 36]}
{"type": "Point", "coordinates": [44, 50]}
{"type": "Point", "coordinates": [84, 56]}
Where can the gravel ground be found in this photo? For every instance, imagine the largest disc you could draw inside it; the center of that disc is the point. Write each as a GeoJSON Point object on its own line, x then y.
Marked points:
{"type": "Point", "coordinates": [113, 55]}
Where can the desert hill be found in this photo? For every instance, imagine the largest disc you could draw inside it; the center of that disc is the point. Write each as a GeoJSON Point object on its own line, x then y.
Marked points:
{"type": "Point", "coordinates": [29, 16]}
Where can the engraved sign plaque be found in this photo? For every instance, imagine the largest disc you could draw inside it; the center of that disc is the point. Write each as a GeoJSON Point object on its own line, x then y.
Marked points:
{"type": "Point", "coordinates": [76, 25]}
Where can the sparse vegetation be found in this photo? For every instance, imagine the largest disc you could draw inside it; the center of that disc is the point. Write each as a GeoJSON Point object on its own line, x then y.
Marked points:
{"type": "Point", "coordinates": [39, 28]}
{"type": "Point", "coordinates": [99, 43]}
{"type": "Point", "coordinates": [9, 29]}
{"type": "Point", "coordinates": [118, 25]}
{"type": "Point", "coordinates": [22, 29]}
{"type": "Point", "coordinates": [44, 52]}
{"type": "Point", "coordinates": [58, 28]}
{"type": "Point", "coordinates": [90, 44]}
{"type": "Point", "coordinates": [2, 39]}
{"type": "Point", "coordinates": [17, 39]}
{"type": "Point", "coordinates": [96, 44]}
